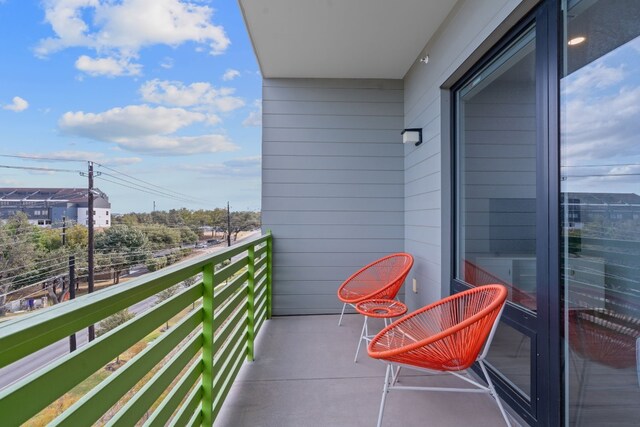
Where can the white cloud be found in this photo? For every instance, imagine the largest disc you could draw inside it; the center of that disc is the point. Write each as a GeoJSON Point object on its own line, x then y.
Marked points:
{"type": "Point", "coordinates": [145, 129]}
{"type": "Point", "coordinates": [230, 74]}
{"type": "Point", "coordinates": [213, 119]}
{"type": "Point", "coordinates": [239, 167]}
{"type": "Point", "coordinates": [602, 127]}
{"type": "Point", "coordinates": [121, 29]}
{"type": "Point", "coordinates": [8, 182]}
{"type": "Point", "coordinates": [110, 67]}
{"type": "Point", "coordinates": [255, 117]}
{"type": "Point", "coordinates": [167, 63]}
{"type": "Point", "coordinates": [128, 122]}
{"type": "Point", "coordinates": [18, 104]}
{"type": "Point", "coordinates": [594, 76]}
{"type": "Point", "coordinates": [174, 93]}
{"type": "Point", "coordinates": [94, 156]}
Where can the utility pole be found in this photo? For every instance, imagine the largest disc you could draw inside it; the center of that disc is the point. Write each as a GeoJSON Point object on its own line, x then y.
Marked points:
{"type": "Point", "coordinates": [72, 279]}
{"type": "Point", "coordinates": [72, 295]}
{"type": "Point", "coordinates": [154, 206]}
{"type": "Point", "coordinates": [90, 261]}
{"type": "Point", "coordinates": [64, 231]}
{"type": "Point", "coordinates": [228, 225]}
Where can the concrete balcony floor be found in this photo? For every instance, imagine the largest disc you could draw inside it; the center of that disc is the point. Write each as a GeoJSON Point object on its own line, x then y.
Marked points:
{"type": "Point", "coordinates": [304, 375]}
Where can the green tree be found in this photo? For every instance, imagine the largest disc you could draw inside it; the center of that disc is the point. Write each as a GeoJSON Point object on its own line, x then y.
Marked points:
{"type": "Point", "coordinates": [120, 247]}
{"type": "Point", "coordinates": [78, 237]}
{"type": "Point", "coordinates": [161, 236]}
{"type": "Point", "coordinates": [155, 264]}
{"type": "Point", "coordinates": [18, 255]}
{"type": "Point", "coordinates": [244, 221]}
{"type": "Point", "coordinates": [165, 295]}
{"type": "Point", "coordinates": [112, 322]}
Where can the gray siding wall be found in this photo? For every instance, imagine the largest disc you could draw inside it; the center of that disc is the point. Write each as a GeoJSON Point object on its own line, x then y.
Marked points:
{"type": "Point", "coordinates": [332, 184]}
{"type": "Point", "coordinates": [427, 167]}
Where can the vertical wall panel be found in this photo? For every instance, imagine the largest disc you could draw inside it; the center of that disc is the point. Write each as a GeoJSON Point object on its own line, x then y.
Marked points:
{"type": "Point", "coordinates": [427, 167]}
{"type": "Point", "coordinates": [333, 193]}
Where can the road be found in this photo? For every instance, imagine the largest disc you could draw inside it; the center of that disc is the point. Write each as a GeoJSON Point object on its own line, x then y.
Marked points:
{"type": "Point", "coordinates": [23, 367]}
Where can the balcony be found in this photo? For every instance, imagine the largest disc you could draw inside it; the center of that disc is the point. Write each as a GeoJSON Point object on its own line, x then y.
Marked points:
{"type": "Point", "coordinates": [191, 372]}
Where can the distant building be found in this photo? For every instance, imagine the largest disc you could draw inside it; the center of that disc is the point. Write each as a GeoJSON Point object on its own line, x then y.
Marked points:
{"type": "Point", "coordinates": [612, 207]}
{"type": "Point", "coordinates": [48, 206]}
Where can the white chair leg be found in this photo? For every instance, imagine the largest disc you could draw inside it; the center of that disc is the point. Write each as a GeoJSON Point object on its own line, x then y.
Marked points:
{"type": "Point", "coordinates": [395, 376]}
{"type": "Point", "coordinates": [342, 314]}
{"type": "Point", "coordinates": [494, 394]}
{"type": "Point", "coordinates": [362, 335]}
{"type": "Point", "coordinates": [385, 390]}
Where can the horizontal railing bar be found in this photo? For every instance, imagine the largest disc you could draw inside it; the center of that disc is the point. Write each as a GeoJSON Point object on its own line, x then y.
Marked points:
{"type": "Point", "coordinates": [224, 273]}
{"type": "Point", "coordinates": [224, 313]}
{"type": "Point", "coordinates": [262, 312]}
{"type": "Point", "coordinates": [188, 407]}
{"type": "Point", "coordinates": [220, 297]}
{"type": "Point", "coordinates": [261, 253]}
{"type": "Point", "coordinates": [261, 307]}
{"type": "Point", "coordinates": [262, 300]}
{"type": "Point", "coordinates": [226, 368]}
{"type": "Point", "coordinates": [169, 404]}
{"type": "Point", "coordinates": [261, 275]}
{"type": "Point", "coordinates": [226, 386]}
{"type": "Point", "coordinates": [222, 355]}
{"type": "Point", "coordinates": [259, 323]}
{"type": "Point", "coordinates": [34, 331]}
{"type": "Point", "coordinates": [226, 329]}
{"type": "Point", "coordinates": [142, 401]}
{"type": "Point", "coordinates": [196, 418]}
{"type": "Point", "coordinates": [262, 281]}
{"type": "Point", "coordinates": [95, 403]}
{"type": "Point", "coordinates": [60, 376]}
{"type": "Point", "coordinates": [261, 263]}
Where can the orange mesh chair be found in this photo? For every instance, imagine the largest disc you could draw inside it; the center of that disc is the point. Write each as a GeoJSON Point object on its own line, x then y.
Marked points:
{"type": "Point", "coordinates": [381, 279]}
{"type": "Point", "coordinates": [449, 335]}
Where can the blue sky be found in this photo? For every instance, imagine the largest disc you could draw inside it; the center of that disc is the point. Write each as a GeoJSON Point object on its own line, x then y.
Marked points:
{"type": "Point", "coordinates": [600, 127]}
{"type": "Point", "coordinates": [167, 91]}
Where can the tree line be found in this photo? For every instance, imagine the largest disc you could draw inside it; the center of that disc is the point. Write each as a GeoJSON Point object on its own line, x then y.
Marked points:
{"type": "Point", "coordinates": [32, 255]}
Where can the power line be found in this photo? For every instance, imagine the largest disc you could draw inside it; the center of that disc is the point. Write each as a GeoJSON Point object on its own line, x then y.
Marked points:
{"type": "Point", "coordinates": [22, 156]}
{"type": "Point", "coordinates": [33, 168]}
{"type": "Point", "coordinates": [149, 188]}
{"type": "Point", "coordinates": [148, 192]}
{"type": "Point", "coordinates": [138, 179]}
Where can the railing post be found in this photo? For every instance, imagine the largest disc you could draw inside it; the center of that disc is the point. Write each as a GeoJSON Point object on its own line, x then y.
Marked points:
{"type": "Point", "coordinates": [269, 271]}
{"type": "Point", "coordinates": [207, 346]}
{"type": "Point", "coordinates": [251, 293]}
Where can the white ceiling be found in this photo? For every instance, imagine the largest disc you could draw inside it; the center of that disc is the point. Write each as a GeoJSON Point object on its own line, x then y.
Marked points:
{"type": "Point", "coordinates": [341, 38]}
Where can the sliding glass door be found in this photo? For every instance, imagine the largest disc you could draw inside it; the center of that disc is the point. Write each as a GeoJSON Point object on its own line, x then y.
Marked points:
{"type": "Point", "coordinates": [600, 200]}
{"type": "Point", "coordinates": [497, 200]}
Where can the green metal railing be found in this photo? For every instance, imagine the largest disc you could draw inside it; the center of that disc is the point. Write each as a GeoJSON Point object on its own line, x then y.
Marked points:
{"type": "Point", "coordinates": [181, 377]}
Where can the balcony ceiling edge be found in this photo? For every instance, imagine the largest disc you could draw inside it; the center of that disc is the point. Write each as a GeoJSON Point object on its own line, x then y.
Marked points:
{"type": "Point", "coordinates": [378, 39]}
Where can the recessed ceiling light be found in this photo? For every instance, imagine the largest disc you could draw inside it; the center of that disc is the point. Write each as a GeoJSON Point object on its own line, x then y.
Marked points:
{"type": "Point", "coordinates": [576, 40]}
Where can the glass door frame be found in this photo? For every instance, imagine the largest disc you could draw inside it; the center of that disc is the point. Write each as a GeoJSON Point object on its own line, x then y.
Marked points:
{"type": "Point", "coordinates": [545, 406]}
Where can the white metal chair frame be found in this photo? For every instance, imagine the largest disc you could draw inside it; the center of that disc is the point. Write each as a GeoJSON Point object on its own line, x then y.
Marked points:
{"type": "Point", "coordinates": [342, 313]}
{"type": "Point", "coordinates": [365, 336]}
{"type": "Point", "coordinates": [391, 378]}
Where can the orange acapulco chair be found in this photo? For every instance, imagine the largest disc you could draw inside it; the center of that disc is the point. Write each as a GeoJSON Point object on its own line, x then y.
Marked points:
{"type": "Point", "coordinates": [449, 335]}
{"type": "Point", "coordinates": [381, 279]}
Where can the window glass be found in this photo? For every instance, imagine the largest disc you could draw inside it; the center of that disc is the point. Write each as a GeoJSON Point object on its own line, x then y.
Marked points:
{"type": "Point", "coordinates": [496, 174]}
{"type": "Point", "coordinates": [600, 200]}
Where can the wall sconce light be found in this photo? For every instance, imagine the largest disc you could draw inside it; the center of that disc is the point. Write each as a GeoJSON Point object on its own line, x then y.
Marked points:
{"type": "Point", "coordinates": [413, 135]}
